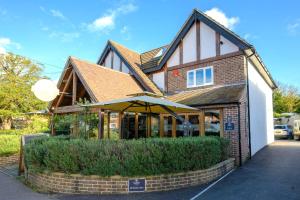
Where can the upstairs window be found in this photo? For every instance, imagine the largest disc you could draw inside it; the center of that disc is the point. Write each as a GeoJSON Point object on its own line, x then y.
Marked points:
{"type": "Point", "coordinates": [200, 77]}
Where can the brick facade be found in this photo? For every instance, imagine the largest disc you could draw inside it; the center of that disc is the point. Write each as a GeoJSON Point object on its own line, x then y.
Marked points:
{"type": "Point", "coordinates": [227, 71]}
{"type": "Point", "coordinates": [9, 160]}
{"type": "Point", "coordinates": [79, 184]}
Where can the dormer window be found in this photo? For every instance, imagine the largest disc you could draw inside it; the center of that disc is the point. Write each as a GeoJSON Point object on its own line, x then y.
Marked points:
{"type": "Point", "coordinates": [200, 77]}
{"type": "Point", "coordinates": [161, 52]}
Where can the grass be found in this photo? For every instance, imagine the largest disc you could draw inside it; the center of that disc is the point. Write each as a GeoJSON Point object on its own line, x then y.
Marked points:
{"type": "Point", "coordinates": [10, 141]}
{"type": "Point", "coordinates": [9, 144]}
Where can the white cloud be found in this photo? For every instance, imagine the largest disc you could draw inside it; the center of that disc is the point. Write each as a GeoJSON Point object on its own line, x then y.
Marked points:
{"type": "Point", "coordinates": [106, 22]}
{"type": "Point", "coordinates": [58, 14]}
{"type": "Point", "coordinates": [65, 36]}
{"type": "Point", "coordinates": [102, 23]}
{"type": "Point", "coordinates": [7, 43]}
{"type": "Point", "coordinates": [220, 16]}
{"type": "Point", "coordinates": [125, 32]}
{"type": "Point", "coordinates": [294, 28]}
{"type": "Point", "coordinates": [3, 12]}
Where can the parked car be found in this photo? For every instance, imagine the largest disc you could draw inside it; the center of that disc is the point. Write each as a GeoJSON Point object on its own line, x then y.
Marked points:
{"type": "Point", "coordinates": [296, 131]}
{"type": "Point", "coordinates": [283, 131]}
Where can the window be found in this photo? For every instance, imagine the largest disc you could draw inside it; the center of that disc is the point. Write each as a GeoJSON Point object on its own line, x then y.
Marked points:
{"type": "Point", "coordinates": [212, 123]}
{"type": "Point", "coordinates": [200, 77]}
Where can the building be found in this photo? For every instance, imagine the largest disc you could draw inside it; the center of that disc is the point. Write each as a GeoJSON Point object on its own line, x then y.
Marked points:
{"type": "Point", "coordinates": [206, 66]}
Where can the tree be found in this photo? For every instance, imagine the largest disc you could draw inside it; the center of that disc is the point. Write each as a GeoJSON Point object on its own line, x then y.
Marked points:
{"type": "Point", "coordinates": [17, 75]}
{"type": "Point", "coordinates": [286, 98]}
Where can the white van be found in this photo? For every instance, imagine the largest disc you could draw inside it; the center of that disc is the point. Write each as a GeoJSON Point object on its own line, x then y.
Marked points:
{"type": "Point", "coordinates": [296, 129]}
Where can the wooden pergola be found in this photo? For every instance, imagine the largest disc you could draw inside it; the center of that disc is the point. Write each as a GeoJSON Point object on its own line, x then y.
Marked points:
{"type": "Point", "coordinates": [141, 103]}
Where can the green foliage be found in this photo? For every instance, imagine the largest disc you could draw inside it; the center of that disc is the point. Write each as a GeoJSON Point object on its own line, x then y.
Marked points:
{"type": "Point", "coordinates": [286, 99]}
{"type": "Point", "coordinates": [125, 157]}
{"type": "Point", "coordinates": [9, 144]}
{"type": "Point", "coordinates": [17, 75]}
{"type": "Point", "coordinates": [10, 139]}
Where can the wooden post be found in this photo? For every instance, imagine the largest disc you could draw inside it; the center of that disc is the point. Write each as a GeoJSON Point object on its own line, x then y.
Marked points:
{"type": "Point", "coordinates": [221, 123]}
{"type": "Point", "coordinates": [74, 92]}
{"type": "Point", "coordinates": [52, 125]}
{"type": "Point", "coordinates": [173, 127]}
{"type": "Point", "coordinates": [121, 125]}
{"type": "Point", "coordinates": [161, 126]}
{"type": "Point", "coordinates": [148, 125]}
{"type": "Point", "coordinates": [136, 125]}
{"type": "Point", "coordinates": [202, 123]}
{"type": "Point", "coordinates": [108, 125]}
{"type": "Point", "coordinates": [100, 124]}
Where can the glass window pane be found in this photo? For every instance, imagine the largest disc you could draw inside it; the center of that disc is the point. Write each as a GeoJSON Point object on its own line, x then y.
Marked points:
{"type": "Point", "coordinates": [199, 77]}
{"type": "Point", "coordinates": [194, 120]}
{"type": "Point", "coordinates": [208, 75]}
{"type": "Point", "coordinates": [168, 126]}
{"type": "Point", "coordinates": [179, 127]}
{"type": "Point", "coordinates": [212, 123]}
{"type": "Point", "coordinates": [190, 78]}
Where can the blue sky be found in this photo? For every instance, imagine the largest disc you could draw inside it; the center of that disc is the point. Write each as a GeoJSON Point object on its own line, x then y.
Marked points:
{"type": "Point", "coordinates": [50, 31]}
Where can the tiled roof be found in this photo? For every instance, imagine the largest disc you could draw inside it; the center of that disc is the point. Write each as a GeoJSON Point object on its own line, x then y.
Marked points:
{"type": "Point", "coordinates": [148, 59]}
{"type": "Point", "coordinates": [209, 96]}
{"type": "Point", "coordinates": [134, 60]}
{"type": "Point", "coordinates": [106, 84]}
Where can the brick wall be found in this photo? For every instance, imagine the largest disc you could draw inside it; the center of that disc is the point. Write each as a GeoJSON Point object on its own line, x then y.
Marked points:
{"type": "Point", "coordinates": [226, 71]}
{"type": "Point", "coordinates": [79, 184]}
{"type": "Point", "coordinates": [233, 136]}
{"type": "Point", "coordinates": [9, 160]}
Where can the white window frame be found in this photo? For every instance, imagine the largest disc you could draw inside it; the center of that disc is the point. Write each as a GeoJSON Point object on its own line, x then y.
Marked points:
{"type": "Point", "coordinates": [204, 77]}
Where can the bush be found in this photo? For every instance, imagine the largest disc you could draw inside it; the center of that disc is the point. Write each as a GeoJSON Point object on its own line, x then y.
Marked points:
{"type": "Point", "coordinates": [124, 157]}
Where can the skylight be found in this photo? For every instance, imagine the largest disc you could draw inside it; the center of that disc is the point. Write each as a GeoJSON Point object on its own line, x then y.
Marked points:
{"type": "Point", "coordinates": [160, 53]}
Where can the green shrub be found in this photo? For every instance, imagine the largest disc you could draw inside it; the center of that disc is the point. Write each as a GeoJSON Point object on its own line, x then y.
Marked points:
{"type": "Point", "coordinates": [124, 157]}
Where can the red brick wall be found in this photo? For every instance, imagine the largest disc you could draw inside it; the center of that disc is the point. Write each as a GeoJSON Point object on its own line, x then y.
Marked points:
{"type": "Point", "coordinates": [244, 130]}
{"type": "Point", "coordinates": [79, 184]}
{"type": "Point", "coordinates": [226, 71]}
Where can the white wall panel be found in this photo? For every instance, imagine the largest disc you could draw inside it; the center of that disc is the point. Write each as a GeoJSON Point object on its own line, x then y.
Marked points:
{"type": "Point", "coordinates": [261, 110]}
{"type": "Point", "coordinates": [116, 62]}
{"type": "Point", "coordinates": [190, 45]}
{"type": "Point", "coordinates": [227, 46]}
{"type": "Point", "coordinates": [207, 41]}
{"type": "Point", "coordinates": [159, 80]}
{"type": "Point", "coordinates": [174, 59]}
{"type": "Point", "coordinates": [107, 62]}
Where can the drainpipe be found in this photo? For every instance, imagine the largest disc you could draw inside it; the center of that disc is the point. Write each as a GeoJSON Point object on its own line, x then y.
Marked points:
{"type": "Point", "coordinates": [240, 137]}
{"type": "Point", "coordinates": [248, 100]}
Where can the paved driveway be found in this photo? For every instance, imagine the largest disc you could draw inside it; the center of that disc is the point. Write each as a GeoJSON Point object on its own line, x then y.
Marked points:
{"type": "Point", "coordinates": [273, 173]}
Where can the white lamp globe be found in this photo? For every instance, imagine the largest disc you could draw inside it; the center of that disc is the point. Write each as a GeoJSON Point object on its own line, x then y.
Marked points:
{"type": "Point", "coordinates": [45, 90]}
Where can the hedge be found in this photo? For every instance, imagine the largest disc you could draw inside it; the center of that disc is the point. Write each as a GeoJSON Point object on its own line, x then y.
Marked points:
{"type": "Point", "coordinates": [124, 157]}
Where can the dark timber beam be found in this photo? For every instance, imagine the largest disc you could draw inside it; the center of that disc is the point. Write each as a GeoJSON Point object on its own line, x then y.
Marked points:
{"type": "Point", "coordinates": [136, 125]}
{"type": "Point", "coordinates": [108, 125]}
{"type": "Point", "coordinates": [74, 92]}
{"type": "Point", "coordinates": [100, 124]}
{"type": "Point", "coordinates": [64, 90]}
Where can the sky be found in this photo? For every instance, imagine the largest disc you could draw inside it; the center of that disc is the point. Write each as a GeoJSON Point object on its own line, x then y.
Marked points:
{"type": "Point", "coordinates": [50, 31]}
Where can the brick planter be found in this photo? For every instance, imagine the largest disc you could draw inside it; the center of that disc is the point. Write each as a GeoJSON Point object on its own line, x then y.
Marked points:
{"type": "Point", "coordinates": [79, 184]}
{"type": "Point", "coordinates": [9, 160]}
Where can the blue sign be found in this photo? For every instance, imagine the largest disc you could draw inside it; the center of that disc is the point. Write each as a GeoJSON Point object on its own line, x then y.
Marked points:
{"type": "Point", "coordinates": [229, 126]}
{"type": "Point", "coordinates": [136, 185]}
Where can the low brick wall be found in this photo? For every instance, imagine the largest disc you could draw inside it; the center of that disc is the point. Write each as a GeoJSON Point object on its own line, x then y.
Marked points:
{"type": "Point", "coordinates": [9, 160]}
{"type": "Point", "coordinates": [79, 184]}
